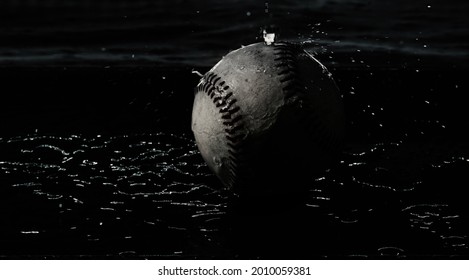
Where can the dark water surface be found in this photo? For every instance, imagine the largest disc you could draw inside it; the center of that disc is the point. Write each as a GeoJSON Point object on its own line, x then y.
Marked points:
{"type": "Point", "coordinates": [97, 159]}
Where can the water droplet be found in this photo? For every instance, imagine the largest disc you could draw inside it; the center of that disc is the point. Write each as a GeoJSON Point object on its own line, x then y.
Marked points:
{"type": "Point", "coordinates": [429, 6]}
{"type": "Point", "coordinates": [30, 232]}
{"type": "Point", "coordinates": [269, 38]}
{"type": "Point", "coordinates": [197, 73]}
{"type": "Point", "coordinates": [248, 13]}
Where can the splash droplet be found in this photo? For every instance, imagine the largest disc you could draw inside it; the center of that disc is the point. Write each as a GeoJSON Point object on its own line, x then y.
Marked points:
{"type": "Point", "coordinates": [269, 38]}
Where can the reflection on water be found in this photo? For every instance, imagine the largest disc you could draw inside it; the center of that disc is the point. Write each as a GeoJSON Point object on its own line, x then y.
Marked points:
{"type": "Point", "coordinates": [101, 191]}
{"type": "Point", "coordinates": [151, 195]}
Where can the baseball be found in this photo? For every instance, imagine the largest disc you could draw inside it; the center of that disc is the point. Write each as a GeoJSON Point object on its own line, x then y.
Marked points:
{"type": "Point", "coordinates": [266, 117]}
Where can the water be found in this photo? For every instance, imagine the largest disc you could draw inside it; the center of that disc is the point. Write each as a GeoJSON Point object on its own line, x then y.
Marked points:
{"type": "Point", "coordinates": [97, 159]}
{"type": "Point", "coordinates": [189, 33]}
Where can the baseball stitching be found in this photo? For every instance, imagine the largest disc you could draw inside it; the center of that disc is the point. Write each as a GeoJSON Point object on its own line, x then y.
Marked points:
{"type": "Point", "coordinates": [287, 63]}
{"type": "Point", "coordinates": [222, 97]}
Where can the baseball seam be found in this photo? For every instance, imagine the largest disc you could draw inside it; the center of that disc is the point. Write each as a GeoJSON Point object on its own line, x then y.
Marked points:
{"type": "Point", "coordinates": [222, 97]}
{"type": "Point", "coordinates": [292, 85]}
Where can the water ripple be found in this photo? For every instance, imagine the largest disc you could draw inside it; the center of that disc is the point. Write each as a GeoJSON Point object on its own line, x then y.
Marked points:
{"type": "Point", "coordinates": [120, 189]}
